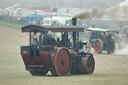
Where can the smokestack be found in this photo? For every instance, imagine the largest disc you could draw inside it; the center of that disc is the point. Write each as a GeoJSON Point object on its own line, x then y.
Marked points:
{"type": "Point", "coordinates": [74, 21]}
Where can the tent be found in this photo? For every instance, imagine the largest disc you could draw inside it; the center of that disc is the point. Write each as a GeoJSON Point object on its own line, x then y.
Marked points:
{"type": "Point", "coordinates": [33, 19]}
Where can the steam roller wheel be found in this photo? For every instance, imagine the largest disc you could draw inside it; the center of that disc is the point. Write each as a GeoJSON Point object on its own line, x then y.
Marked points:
{"type": "Point", "coordinates": [38, 72]}
{"type": "Point", "coordinates": [88, 65]}
{"type": "Point", "coordinates": [62, 62]}
{"type": "Point", "coordinates": [84, 65]}
{"type": "Point", "coordinates": [98, 46]}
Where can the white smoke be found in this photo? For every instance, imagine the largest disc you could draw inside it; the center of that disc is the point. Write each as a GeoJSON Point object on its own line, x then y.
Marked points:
{"type": "Point", "coordinates": [122, 45]}
{"type": "Point", "coordinates": [122, 51]}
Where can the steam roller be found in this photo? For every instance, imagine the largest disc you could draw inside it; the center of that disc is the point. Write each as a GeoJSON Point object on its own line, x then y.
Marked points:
{"type": "Point", "coordinates": [62, 58]}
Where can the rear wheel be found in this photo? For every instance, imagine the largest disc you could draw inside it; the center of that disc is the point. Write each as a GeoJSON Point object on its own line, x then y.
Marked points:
{"type": "Point", "coordinates": [38, 72]}
{"type": "Point", "coordinates": [62, 63]}
{"type": "Point", "coordinates": [98, 46]}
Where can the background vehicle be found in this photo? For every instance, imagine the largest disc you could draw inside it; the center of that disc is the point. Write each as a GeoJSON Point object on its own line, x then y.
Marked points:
{"type": "Point", "coordinates": [63, 57]}
{"type": "Point", "coordinates": [102, 40]}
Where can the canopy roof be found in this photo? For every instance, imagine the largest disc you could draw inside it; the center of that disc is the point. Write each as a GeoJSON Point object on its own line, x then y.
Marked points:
{"type": "Point", "coordinates": [101, 30]}
{"type": "Point", "coordinates": [38, 28]}
{"type": "Point", "coordinates": [96, 29]}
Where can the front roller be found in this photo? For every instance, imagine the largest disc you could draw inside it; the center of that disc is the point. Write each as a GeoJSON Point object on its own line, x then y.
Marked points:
{"type": "Point", "coordinates": [87, 64]}
{"type": "Point", "coordinates": [83, 64]}
{"type": "Point", "coordinates": [62, 62]}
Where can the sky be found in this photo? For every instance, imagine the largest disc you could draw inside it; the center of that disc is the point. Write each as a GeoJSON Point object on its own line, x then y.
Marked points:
{"type": "Point", "coordinates": [62, 3]}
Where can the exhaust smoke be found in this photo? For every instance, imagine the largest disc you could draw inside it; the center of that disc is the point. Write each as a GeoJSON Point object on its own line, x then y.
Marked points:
{"type": "Point", "coordinates": [122, 50]}
{"type": "Point", "coordinates": [119, 11]}
{"type": "Point", "coordinates": [122, 44]}
{"type": "Point", "coordinates": [94, 13]}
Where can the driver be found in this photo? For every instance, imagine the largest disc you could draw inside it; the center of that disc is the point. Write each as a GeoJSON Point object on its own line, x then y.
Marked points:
{"type": "Point", "coordinates": [48, 39]}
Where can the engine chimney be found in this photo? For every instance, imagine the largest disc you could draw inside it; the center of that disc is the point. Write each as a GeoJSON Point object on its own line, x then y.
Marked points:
{"type": "Point", "coordinates": [74, 21]}
{"type": "Point", "coordinates": [75, 37]}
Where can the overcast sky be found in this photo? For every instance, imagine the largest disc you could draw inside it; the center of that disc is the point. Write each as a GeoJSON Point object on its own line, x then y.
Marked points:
{"type": "Point", "coordinates": [63, 3]}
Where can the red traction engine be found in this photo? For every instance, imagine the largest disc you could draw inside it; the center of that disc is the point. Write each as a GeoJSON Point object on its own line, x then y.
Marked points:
{"type": "Point", "coordinates": [60, 59]}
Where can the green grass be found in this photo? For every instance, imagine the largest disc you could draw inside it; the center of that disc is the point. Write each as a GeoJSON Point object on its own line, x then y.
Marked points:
{"type": "Point", "coordinates": [109, 70]}
{"type": "Point", "coordinates": [11, 25]}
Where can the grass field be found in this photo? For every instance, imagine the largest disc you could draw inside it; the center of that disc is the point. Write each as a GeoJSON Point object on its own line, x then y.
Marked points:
{"type": "Point", "coordinates": [109, 69]}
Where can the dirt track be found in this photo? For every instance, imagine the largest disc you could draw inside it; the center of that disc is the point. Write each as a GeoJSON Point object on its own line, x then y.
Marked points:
{"type": "Point", "coordinates": [109, 70]}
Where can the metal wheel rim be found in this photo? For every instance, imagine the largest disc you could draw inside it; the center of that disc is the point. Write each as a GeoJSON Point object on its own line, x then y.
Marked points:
{"type": "Point", "coordinates": [62, 63]}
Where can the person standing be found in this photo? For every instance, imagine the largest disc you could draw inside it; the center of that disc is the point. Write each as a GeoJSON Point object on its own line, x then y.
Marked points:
{"type": "Point", "coordinates": [35, 43]}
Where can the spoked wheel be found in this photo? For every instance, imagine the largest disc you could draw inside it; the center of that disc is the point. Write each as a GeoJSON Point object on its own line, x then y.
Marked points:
{"type": "Point", "coordinates": [38, 72]}
{"type": "Point", "coordinates": [98, 46]}
{"type": "Point", "coordinates": [62, 62]}
{"type": "Point", "coordinates": [87, 47]}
